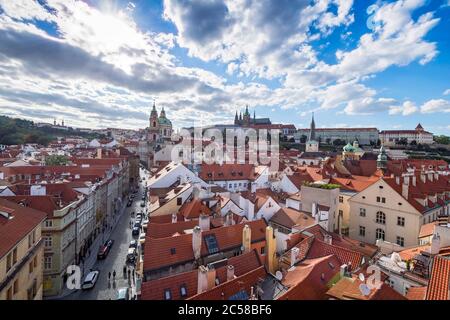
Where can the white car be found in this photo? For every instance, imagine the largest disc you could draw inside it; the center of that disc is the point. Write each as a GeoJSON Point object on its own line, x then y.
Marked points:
{"type": "Point", "coordinates": [90, 280]}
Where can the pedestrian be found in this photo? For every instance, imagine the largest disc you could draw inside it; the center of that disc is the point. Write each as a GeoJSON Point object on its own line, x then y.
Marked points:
{"type": "Point", "coordinates": [114, 275]}
{"type": "Point", "coordinates": [124, 270]}
{"type": "Point", "coordinates": [109, 276]}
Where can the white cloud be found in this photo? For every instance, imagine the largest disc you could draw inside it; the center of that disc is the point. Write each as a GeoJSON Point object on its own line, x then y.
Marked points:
{"type": "Point", "coordinates": [435, 105]}
{"type": "Point", "coordinates": [406, 109]}
{"type": "Point", "coordinates": [446, 92]}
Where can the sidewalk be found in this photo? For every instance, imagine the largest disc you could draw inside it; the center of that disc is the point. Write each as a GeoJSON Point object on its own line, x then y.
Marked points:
{"type": "Point", "coordinates": [90, 261]}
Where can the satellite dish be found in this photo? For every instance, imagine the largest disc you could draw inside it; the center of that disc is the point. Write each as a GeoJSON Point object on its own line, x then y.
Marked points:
{"type": "Point", "coordinates": [361, 277]}
{"type": "Point", "coordinates": [279, 275]}
{"type": "Point", "coordinates": [365, 290]}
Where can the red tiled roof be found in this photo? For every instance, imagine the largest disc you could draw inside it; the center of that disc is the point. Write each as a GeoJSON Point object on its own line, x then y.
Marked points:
{"type": "Point", "coordinates": [193, 209]}
{"type": "Point", "coordinates": [163, 230]}
{"type": "Point", "coordinates": [158, 251]}
{"type": "Point", "coordinates": [309, 279]}
{"type": "Point", "coordinates": [23, 221]}
{"type": "Point", "coordinates": [154, 290]}
{"type": "Point", "coordinates": [345, 256]}
{"type": "Point", "coordinates": [226, 290]}
{"type": "Point", "coordinates": [348, 288]}
{"type": "Point", "coordinates": [439, 284]}
{"type": "Point", "coordinates": [416, 293]}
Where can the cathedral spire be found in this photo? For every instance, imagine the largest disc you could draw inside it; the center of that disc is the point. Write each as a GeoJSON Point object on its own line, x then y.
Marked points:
{"type": "Point", "coordinates": [312, 130]}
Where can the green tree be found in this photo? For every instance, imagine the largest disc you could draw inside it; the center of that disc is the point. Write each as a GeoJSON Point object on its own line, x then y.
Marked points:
{"type": "Point", "coordinates": [56, 160]}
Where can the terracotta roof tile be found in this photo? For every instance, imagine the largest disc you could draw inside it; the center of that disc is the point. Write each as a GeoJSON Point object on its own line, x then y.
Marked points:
{"type": "Point", "coordinates": [158, 253]}
{"type": "Point", "coordinates": [23, 220]}
{"type": "Point", "coordinates": [439, 284]}
{"type": "Point", "coordinates": [154, 290]}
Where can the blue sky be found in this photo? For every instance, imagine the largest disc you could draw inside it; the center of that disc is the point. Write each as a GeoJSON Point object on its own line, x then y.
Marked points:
{"type": "Point", "coordinates": [99, 63]}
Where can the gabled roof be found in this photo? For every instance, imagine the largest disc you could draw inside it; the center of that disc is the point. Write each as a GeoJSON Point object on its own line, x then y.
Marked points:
{"type": "Point", "coordinates": [241, 284]}
{"type": "Point", "coordinates": [154, 290]}
{"type": "Point", "coordinates": [15, 223]}
{"type": "Point", "coordinates": [192, 209]}
{"type": "Point", "coordinates": [288, 218]}
{"type": "Point", "coordinates": [159, 253]}
{"type": "Point", "coordinates": [309, 279]}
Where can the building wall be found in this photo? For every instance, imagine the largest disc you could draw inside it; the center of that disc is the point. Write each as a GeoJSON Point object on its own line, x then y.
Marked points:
{"type": "Point", "coordinates": [27, 282]}
{"type": "Point", "coordinates": [392, 210]}
{"type": "Point", "coordinates": [326, 197]}
{"type": "Point", "coordinates": [364, 136]}
{"type": "Point", "coordinates": [171, 206]}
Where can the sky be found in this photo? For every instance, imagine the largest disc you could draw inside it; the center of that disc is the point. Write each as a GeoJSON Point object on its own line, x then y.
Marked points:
{"type": "Point", "coordinates": [354, 63]}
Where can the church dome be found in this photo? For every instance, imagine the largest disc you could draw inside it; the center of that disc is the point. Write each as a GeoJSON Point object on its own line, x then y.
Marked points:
{"type": "Point", "coordinates": [164, 121]}
{"type": "Point", "coordinates": [348, 148]}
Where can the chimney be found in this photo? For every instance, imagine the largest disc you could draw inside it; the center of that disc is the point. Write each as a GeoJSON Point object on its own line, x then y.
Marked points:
{"type": "Point", "coordinates": [229, 219]}
{"type": "Point", "coordinates": [99, 153]}
{"type": "Point", "coordinates": [414, 180]}
{"type": "Point", "coordinates": [202, 279]}
{"type": "Point", "coordinates": [230, 272]}
{"type": "Point", "coordinates": [423, 177]}
{"type": "Point", "coordinates": [436, 176]}
{"type": "Point", "coordinates": [397, 180]}
{"type": "Point", "coordinates": [246, 238]}
{"type": "Point", "coordinates": [328, 239]}
{"type": "Point", "coordinates": [197, 242]}
{"type": "Point", "coordinates": [204, 222]}
{"type": "Point", "coordinates": [174, 218]}
{"type": "Point", "coordinates": [118, 151]}
{"type": "Point", "coordinates": [271, 250]}
{"type": "Point", "coordinates": [253, 187]}
{"type": "Point", "coordinates": [430, 176]}
{"type": "Point", "coordinates": [405, 189]}
{"type": "Point", "coordinates": [211, 277]}
{"type": "Point", "coordinates": [294, 255]}
{"type": "Point", "coordinates": [343, 270]}
{"type": "Point", "coordinates": [435, 244]}
{"type": "Point", "coordinates": [314, 209]}
{"type": "Point", "coordinates": [406, 180]}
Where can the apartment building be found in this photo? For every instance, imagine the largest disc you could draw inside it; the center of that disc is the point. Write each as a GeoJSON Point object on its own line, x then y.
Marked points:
{"type": "Point", "coordinates": [21, 252]}
{"type": "Point", "coordinates": [393, 209]}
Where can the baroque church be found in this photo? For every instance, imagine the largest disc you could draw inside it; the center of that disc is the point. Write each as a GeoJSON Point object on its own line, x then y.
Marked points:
{"type": "Point", "coordinates": [160, 127]}
{"type": "Point", "coordinates": [156, 136]}
{"type": "Point", "coordinates": [245, 119]}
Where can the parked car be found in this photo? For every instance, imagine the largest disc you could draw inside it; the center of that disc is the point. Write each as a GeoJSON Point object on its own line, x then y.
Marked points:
{"type": "Point", "coordinates": [131, 255]}
{"type": "Point", "coordinates": [104, 249]}
{"type": "Point", "coordinates": [142, 238]}
{"type": "Point", "coordinates": [133, 244]}
{"type": "Point", "coordinates": [143, 204]}
{"type": "Point", "coordinates": [135, 231]}
{"type": "Point", "coordinates": [90, 280]}
{"type": "Point", "coordinates": [123, 293]}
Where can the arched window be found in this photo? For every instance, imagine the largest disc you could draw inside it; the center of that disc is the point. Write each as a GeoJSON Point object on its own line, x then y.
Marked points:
{"type": "Point", "coordinates": [381, 217]}
{"type": "Point", "coordinates": [154, 123]}
{"type": "Point", "coordinates": [379, 234]}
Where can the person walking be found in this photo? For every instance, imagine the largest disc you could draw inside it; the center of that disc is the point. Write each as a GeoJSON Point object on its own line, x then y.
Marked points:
{"type": "Point", "coordinates": [124, 271]}
{"type": "Point", "coordinates": [114, 275]}
{"type": "Point", "coordinates": [109, 276]}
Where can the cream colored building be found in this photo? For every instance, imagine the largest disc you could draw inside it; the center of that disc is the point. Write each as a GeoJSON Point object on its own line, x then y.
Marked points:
{"type": "Point", "coordinates": [21, 252]}
{"type": "Point", "coordinates": [388, 210]}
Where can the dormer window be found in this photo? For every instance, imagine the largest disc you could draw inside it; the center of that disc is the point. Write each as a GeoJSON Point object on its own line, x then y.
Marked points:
{"type": "Point", "coordinates": [167, 294]}
{"type": "Point", "coordinates": [183, 290]}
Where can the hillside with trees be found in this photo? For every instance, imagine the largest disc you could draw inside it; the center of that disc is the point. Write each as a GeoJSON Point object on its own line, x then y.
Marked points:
{"type": "Point", "coordinates": [18, 131]}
